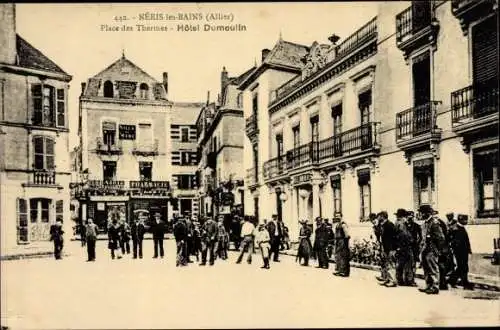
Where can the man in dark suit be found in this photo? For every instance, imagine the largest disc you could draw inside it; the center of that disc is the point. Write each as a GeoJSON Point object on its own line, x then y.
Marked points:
{"type": "Point", "coordinates": [209, 235]}
{"type": "Point", "coordinates": [321, 243]}
{"type": "Point", "coordinates": [389, 247]}
{"type": "Point", "coordinates": [56, 235]}
{"type": "Point", "coordinates": [460, 245]}
{"type": "Point", "coordinates": [275, 232]}
{"type": "Point", "coordinates": [433, 246]}
{"type": "Point", "coordinates": [137, 229]}
{"type": "Point", "coordinates": [181, 236]}
{"type": "Point", "coordinates": [416, 234]}
{"type": "Point", "coordinates": [158, 229]}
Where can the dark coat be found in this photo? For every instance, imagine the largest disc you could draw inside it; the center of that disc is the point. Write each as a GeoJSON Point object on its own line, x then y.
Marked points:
{"type": "Point", "coordinates": [56, 233]}
{"type": "Point", "coordinates": [321, 237]}
{"type": "Point", "coordinates": [416, 234]}
{"type": "Point", "coordinates": [459, 240]}
{"type": "Point", "coordinates": [389, 237]}
{"type": "Point", "coordinates": [209, 231]}
{"type": "Point", "coordinates": [271, 228]}
{"type": "Point", "coordinates": [113, 237]}
{"type": "Point", "coordinates": [180, 230]}
{"type": "Point", "coordinates": [158, 230]}
{"type": "Point", "coordinates": [434, 240]}
{"type": "Point", "coordinates": [137, 230]}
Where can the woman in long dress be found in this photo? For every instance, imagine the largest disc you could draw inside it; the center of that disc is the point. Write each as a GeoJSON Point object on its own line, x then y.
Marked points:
{"type": "Point", "coordinates": [342, 252]}
{"type": "Point", "coordinates": [305, 246]}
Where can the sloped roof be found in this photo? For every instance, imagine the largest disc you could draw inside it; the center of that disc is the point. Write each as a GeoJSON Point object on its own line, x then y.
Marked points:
{"type": "Point", "coordinates": [237, 80]}
{"type": "Point", "coordinates": [32, 58]}
{"type": "Point", "coordinates": [114, 71]}
{"type": "Point", "coordinates": [287, 53]}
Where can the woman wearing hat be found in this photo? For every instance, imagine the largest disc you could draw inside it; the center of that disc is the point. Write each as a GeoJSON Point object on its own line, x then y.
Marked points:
{"type": "Point", "coordinates": [305, 246]}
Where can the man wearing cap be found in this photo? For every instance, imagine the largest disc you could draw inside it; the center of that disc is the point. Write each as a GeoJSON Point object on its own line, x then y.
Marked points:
{"type": "Point", "coordinates": [416, 234]}
{"type": "Point", "coordinates": [432, 246]}
{"type": "Point", "coordinates": [389, 246]}
{"type": "Point", "coordinates": [275, 232]}
{"type": "Point", "coordinates": [158, 229]}
{"type": "Point", "coordinates": [321, 243]}
{"type": "Point", "coordinates": [209, 234]}
{"type": "Point", "coordinates": [404, 254]}
{"type": "Point", "coordinates": [305, 246]}
{"type": "Point", "coordinates": [342, 251]}
{"type": "Point", "coordinates": [247, 233]}
{"type": "Point", "coordinates": [460, 245]}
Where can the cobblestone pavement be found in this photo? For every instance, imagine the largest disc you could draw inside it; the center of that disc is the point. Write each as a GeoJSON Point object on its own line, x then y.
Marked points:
{"type": "Point", "coordinates": [153, 293]}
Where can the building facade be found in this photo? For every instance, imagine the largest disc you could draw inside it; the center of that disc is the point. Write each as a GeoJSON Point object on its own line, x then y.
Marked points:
{"type": "Point", "coordinates": [220, 146]}
{"type": "Point", "coordinates": [34, 142]}
{"type": "Point", "coordinates": [131, 139]}
{"type": "Point", "coordinates": [401, 113]}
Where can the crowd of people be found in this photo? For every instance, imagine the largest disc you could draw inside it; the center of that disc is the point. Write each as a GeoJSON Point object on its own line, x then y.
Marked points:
{"type": "Point", "coordinates": [441, 248]}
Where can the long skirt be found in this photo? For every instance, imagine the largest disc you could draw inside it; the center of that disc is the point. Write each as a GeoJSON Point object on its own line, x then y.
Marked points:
{"type": "Point", "coordinates": [305, 249]}
{"type": "Point", "coordinates": [342, 256]}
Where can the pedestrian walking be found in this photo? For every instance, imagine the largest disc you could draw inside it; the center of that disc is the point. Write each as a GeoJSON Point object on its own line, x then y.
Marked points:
{"type": "Point", "coordinates": [56, 235]}
{"type": "Point", "coordinates": [285, 241]}
{"type": "Point", "coordinates": [404, 251]}
{"type": "Point", "coordinates": [262, 240]}
{"type": "Point", "coordinates": [445, 260]}
{"type": "Point", "coordinates": [389, 246]}
{"type": "Point", "coordinates": [209, 235]}
{"type": "Point", "coordinates": [247, 233]}
{"type": "Point", "coordinates": [275, 230]}
{"type": "Point", "coordinates": [331, 239]}
{"type": "Point", "coordinates": [416, 234]}
{"type": "Point", "coordinates": [181, 235]}
{"type": "Point", "coordinates": [222, 239]}
{"type": "Point", "coordinates": [125, 237]}
{"type": "Point", "coordinates": [432, 246]}
{"type": "Point", "coordinates": [158, 228]}
{"type": "Point", "coordinates": [137, 230]}
{"type": "Point", "coordinates": [91, 238]}
{"type": "Point", "coordinates": [461, 247]}
{"type": "Point", "coordinates": [196, 240]}
{"type": "Point", "coordinates": [342, 251]}
{"type": "Point", "coordinates": [377, 230]}
{"type": "Point", "coordinates": [114, 239]}
{"type": "Point", "coordinates": [305, 247]}
{"type": "Point", "coordinates": [321, 243]}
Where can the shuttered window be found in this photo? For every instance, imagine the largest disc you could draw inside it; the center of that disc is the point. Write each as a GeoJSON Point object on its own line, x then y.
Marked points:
{"type": "Point", "coordinates": [22, 220]}
{"type": "Point", "coordinates": [61, 108]}
{"type": "Point", "coordinates": [43, 148]}
{"type": "Point", "coordinates": [485, 52]}
{"type": "Point", "coordinates": [60, 210]}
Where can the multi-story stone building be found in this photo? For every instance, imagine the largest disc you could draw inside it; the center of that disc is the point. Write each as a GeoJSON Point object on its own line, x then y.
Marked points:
{"type": "Point", "coordinates": [401, 113]}
{"type": "Point", "coordinates": [34, 142]}
{"type": "Point", "coordinates": [130, 135]}
{"type": "Point", "coordinates": [220, 146]}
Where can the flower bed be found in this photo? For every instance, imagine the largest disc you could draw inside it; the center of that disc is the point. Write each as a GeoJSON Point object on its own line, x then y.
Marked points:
{"type": "Point", "coordinates": [366, 252]}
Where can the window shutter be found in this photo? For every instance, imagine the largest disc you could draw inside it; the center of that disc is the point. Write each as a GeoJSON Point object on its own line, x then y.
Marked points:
{"type": "Point", "coordinates": [36, 94]}
{"type": "Point", "coordinates": [485, 51]}
{"type": "Point", "coordinates": [49, 154]}
{"type": "Point", "coordinates": [61, 108]}
{"type": "Point", "coordinates": [60, 210]}
{"type": "Point", "coordinates": [22, 220]}
{"type": "Point", "coordinates": [38, 153]}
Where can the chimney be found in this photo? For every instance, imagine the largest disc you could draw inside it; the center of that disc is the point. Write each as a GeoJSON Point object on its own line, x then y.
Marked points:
{"type": "Point", "coordinates": [265, 52]}
{"type": "Point", "coordinates": [83, 88]}
{"type": "Point", "coordinates": [224, 79]}
{"type": "Point", "coordinates": [8, 33]}
{"type": "Point", "coordinates": [165, 82]}
{"type": "Point", "coordinates": [208, 97]}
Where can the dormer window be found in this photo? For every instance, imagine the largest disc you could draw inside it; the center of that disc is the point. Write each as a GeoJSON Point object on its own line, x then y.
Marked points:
{"type": "Point", "coordinates": [108, 89]}
{"type": "Point", "coordinates": [143, 90]}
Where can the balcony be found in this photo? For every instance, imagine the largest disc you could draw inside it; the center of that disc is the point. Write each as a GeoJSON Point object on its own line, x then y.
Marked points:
{"type": "Point", "coordinates": [108, 148]}
{"type": "Point", "coordinates": [251, 178]}
{"type": "Point", "coordinates": [42, 178]}
{"type": "Point", "coordinates": [416, 127]}
{"type": "Point", "coordinates": [146, 149]}
{"type": "Point", "coordinates": [413, 32]}
{"type": "Point", "coordinates": [251, 128]}
{"type": "Point", "coordinates": [475, 108]}
{"type": "Point", "coordinates": [275, 167]}
{"type": "Point", "coordinates": [468, 11]}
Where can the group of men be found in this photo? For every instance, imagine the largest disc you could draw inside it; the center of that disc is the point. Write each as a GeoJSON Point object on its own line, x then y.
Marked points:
{"type": "Point", "coordinates": [442, 249]}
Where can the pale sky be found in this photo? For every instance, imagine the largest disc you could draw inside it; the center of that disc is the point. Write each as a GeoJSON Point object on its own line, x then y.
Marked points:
{"type": "Point", "coordinates": [71, 36]}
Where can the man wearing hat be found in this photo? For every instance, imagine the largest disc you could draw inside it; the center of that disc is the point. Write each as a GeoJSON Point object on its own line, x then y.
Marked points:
{"type": "Point", "coordinates": [404, 255]}
{"type": "Point", "coordinates": [158, 229]}
{"type": "Point", "coordinates": [389, 246]}
{"type": "Point", "coordinates": [377, 230]}
{"type": "Point", "coordinates": [342, 251]}
{"type": "Point", "coordinates": [56, 235]}
{"type": "Point", "coordinates": [433, 245]}
{"type": "Point", "coordinates": [181, 235]}
{"type": "Point", "coordinates": [321, 243]}
{"type": "Point", "coordinates": [209, 235]}
{"type": "Point", "coordinates": [416, 234]}
{"type": "Point", "coordinates": [247, 233]}
{"type": "Point", "coordinates": [275, 232]}
{"type": "Point", "coordinates": [460, 245]}
{"type": "Point", "coordinates": [305, 246]}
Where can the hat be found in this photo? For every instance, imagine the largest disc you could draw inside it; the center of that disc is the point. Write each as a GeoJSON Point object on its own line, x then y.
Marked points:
{"type": "Point", "coordinates": [425, 209]}
{"type": "Point", "coordinates": [463, 218]}
{"type": "Point", "coordinates": [157, 214]}
{"type": "Point", "coordinates": [302, 222]}
{"type": "Point", "coordinates": [372, 216]}
{"type": "Point", "coordinates": [401, 213]}
{"type": "Point", "coordinates": [450, 214]}
{"type": "Point", "coordinates": [383, 214]}
{"type": "Point", "coordinates": [410, 213]}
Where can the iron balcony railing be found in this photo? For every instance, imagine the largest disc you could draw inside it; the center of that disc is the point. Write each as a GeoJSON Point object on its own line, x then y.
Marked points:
{"type": "Point", "coordinates": [145, 184]}
{"type": "Point", "coordinates": [146, 149]}
{"type": "Point", "coordinates": [251, 124]}
{"type": "Point", "coordinates": [108, 148]}
{"type": "Point", "coordinates": [416, 121]}
{"type": "Point", "coordinates": [358, 38]}
{"type": "Point", "coordinates": [407, 25]}
{"type": "Point", "coordinates": [474, 101]}
{"type": "Point", "coordinates": [43, 177]}
{"type": "Point", "coordinates": [275, 167]}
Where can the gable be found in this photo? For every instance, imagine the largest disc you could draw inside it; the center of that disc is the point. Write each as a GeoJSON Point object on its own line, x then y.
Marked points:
{"type": "Point", "coordinates": [125, 70]}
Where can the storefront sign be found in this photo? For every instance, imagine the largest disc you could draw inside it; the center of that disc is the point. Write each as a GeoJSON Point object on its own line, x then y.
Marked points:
{"type": "Point", "coordinates": [127, 132]}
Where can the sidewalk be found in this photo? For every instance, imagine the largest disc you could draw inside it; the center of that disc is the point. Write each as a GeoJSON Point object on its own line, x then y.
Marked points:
{"type": "Point", "coordinates": [484, 280]}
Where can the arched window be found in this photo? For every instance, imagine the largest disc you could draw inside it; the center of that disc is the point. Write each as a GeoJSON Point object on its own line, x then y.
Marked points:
{"type": "Point", "coordinates": [108, 89]}
{"type": "Point", "coordinates": [143, 89]}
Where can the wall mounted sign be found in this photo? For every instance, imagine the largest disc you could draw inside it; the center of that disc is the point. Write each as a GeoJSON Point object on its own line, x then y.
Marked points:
{"type": "Point", "coordinates": [127, 132]}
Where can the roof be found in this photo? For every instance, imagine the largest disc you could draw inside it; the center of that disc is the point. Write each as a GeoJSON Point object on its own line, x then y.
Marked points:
{"type": "Point", "coordinates": [241, 77]}
{"type": "Point", "coordinates": [115, 71]}
{"type": "Point", "coordinates": [32, 58]}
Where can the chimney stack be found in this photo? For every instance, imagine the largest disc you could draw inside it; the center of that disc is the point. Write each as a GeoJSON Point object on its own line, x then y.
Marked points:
{"type": "Point", "coordinates": [84, 85]}
{"type": "Point", "coordinates": [208, 97]}
{"type": "Point", "coordinates": [8, 39]}
{"type": "Point", "coordinates": [224, 79]}
{"type": "Point", "coordinates": [265, 52]}
{"type": "Point", "coordinates": [165, 82]}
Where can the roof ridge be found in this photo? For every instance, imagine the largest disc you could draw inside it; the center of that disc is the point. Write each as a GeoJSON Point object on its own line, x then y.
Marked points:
{"type": "Point", "coordinates": [123, 59]}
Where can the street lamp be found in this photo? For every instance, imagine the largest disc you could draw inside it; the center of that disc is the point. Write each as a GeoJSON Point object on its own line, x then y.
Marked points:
{"type": "Point", "coordinates": [283, 197]}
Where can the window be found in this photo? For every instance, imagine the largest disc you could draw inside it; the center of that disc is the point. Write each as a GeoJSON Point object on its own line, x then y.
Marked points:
{"type": "Point", "coordinates": [421, 70]}
{"type": "Point", "coordinates": [109, 133]}
{"type": "Point", "coordinates": [423, 174]}
{"type": "Point", "coordinates": [314, 129]}
{"type": "Point", "coordinates": [60, 210]}
{"type": "Point", "coordinates": [39, 210]}
{"type": "Point", "coordinates": [61, 108]}
{"type": "Point", "coordinates": [279, 145]}
{"type": "Point", "coordinates": [365, 194]}
{"type": "Point", "coordinates": [43, 148]}
{"type": "Point", "coordinates": [145, 134]}
{"type": "Point", "coordinates": [296, 136]}
{"type": "Point", "coordinates": [145, 171]}
{"type": "Point", "coordinates": [239, 101]}
{"type": "Point", "coordinates": [487, 183]}
{"type": "Point", "coordinates": [364, 103]}
{"type": "Point", "coordinates": [185, 134]}
{"type": "Point", "coordinates": [22, 220]}
{"type": "Point", "coordinates": [255, 150]}
{"type": "Point", "coordinates": [108, 89]}
{"type": "Point", "coordinates": [337, 119]}
{"type": "Point", "coordinates": [186, 181]}
{"type": "Point", "coordinates": [337, 194]}
{"type": "Point", "coordinates": [421, 13]}
{"type": "Point", "coordinates": [143, 90]}
{"type": "Point", "coordinates": [49, 106]}
{"type": "Point", "coordinates": [109, 170]}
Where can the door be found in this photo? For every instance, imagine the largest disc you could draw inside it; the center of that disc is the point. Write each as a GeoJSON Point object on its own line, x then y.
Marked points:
{"type": "Point", "coordinates": [421, 116]}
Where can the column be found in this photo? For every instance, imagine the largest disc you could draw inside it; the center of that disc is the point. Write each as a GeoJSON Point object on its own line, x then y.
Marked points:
{"type": "Point", "coordinates": [315, 199]}
{"type": "Point", "coordinates": [292, 207]}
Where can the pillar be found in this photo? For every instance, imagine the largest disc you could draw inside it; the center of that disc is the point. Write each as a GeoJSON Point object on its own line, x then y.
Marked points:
{"type": "Point", "coordinates": [292, 207]}
{"type": "Point", "coordinates": [315, 200]}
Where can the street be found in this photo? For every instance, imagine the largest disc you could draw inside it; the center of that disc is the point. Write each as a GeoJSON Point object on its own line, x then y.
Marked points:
{"type": "Point", "coordinates": [153, 293]}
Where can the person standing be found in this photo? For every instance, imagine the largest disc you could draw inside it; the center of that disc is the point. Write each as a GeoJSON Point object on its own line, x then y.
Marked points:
{"type": "Point", "coordinates": [189, 239]}
{"type": "Point", "coordinates": [404, 252]}
{"type": "Point", "coordinates": [305, 246]}
{"type": "Point", "coordinates": [56, 235]}
{"type": "Point", "coordinates": [222, 239]}
{"type": "Point", "coordinates": [321, 243]}
{"type": "Point", "coordinates": [461, 247]}
{"type": "Point", "coordinates": [342, 252]}
{"type": "Point", "coordinates": [137, 230]}
{"type": "Point", "coordinates": [432, 245]}
{"type": "Point", "coordinates": [389, 246]}
{"type": "Point", "coordinates": [125, 237]}
{"type": "Point", "coordinates": [83, 237]}
{"type": "Point", "coordinates": [247, 233]}
{"type": "Point", "coordinates": [180, 234]}
{"type": "Point", "coordinates": [91, 238]}
{"type": "Point", "coordinates": [262, 240]}
{"type": "Point", "coordinates": [275, 232]}
{"type": "Point", "coordinates": [158, 229]}
{"type": "Point", "coordinates": [416, 234]}
{"type": "Point", "coordinates": [331, 239]}
{"type": "Point", "coordinates": [196, 240]}
{"type": "Point", "coordinates": [114, 239]}
{"type": "Point", "coordinates": [208, 241]}
{"type": "Point", "coordinates": [445, 260]}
